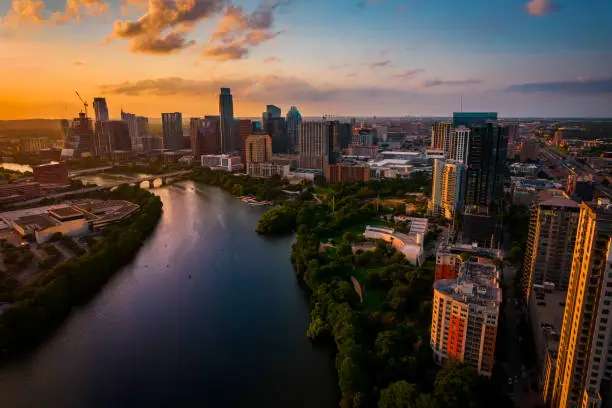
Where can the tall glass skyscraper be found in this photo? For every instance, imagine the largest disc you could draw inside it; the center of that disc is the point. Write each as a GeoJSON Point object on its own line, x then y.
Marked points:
{"type": "Point", "coordinates": [100, 109]}
{"type": "Point", "coordinates": [294, 120]}
{"type": "Point", "coordinates": [172, 124]}
{"type": "Point", "coordinates": [226, 111]}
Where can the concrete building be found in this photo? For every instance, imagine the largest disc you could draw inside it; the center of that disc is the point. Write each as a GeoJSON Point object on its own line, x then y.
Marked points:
{"type": "Point", "coordinates": [450, 257]}
{"type": "Point", "coordinates": [100, 109]}
{"type": "Point", "coordinates": [269, 169]}
{"type": "Point", "coordinates": [51, 173]}
{"type": "Point", "coordinates": [172, 128]}
{"type": "Point", "coordinates": [226, 113]}
{"type": "Point", "coordinates": [459, 149]}
{"type": "Point", "coordinates": [550, 245]}
{"type": "Point", "coordinates": [440, 136]}
{"type": "Point", "coordinates": [345, 173]}
{"type": "Point", "coordinates": [448, 191]}
{"type": "Point", "coordinates": [465, 316]}
{"type": "Point", "coordinates": [80, 137]}
{"type": "Point", "coordinates": [132, 122]}
{"type": "Point", "coordinates": [258, 148]}
{"type": "Point", "coordinates": [411, 244]}
{"type": "Point", "coordinates": [314, 142]}
{"type": "Point", "coordinates": [584, 364]}
{"type": "Point", "coordinates": [204, 136]}
{"type": "Point", "coordinates": [244, 130]}
{"type": "Point", "coordinates": [223, 162]}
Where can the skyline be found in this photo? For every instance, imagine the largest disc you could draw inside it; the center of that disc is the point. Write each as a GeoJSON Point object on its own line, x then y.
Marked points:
{"type": "Point", "coordinates": [349, 58]}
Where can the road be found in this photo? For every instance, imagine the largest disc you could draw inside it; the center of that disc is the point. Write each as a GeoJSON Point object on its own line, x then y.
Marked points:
{"type": "Point", "coordinates": [513, 365]}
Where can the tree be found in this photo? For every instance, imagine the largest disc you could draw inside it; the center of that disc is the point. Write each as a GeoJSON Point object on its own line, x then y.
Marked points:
{"type": "Point", "coordinates": [454, 385]}
{"type": "Point", "coordinates": [237, 190]}
{"type": "Point", "coordinates": [400, 394]}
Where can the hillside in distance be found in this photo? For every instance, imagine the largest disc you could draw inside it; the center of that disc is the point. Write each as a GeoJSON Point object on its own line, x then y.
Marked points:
{"type": "Point", "coordinates": [17, 129]}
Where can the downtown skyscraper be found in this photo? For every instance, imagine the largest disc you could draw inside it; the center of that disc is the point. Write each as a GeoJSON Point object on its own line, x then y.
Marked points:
{"type": "Point", "coordinates": [100, 109]}
{"type": "Point", "coordinates": [583, 372]}
{"type": "Point", "coordinates": [172, 128]}
{"type": "Point", "coordinates": [226, 112]}
{"type": "Point", "coordinates": [294, 121]}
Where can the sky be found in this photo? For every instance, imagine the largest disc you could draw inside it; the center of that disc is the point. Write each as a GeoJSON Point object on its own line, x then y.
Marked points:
{"type": "Point", "coordinates": [538, 58]}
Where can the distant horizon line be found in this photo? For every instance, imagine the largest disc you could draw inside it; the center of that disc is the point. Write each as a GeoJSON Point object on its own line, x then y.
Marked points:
{"type": "Point", "coordinates": [357, 117]}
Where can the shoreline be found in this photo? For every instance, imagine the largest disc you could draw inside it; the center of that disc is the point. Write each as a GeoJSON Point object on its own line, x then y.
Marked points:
{"type": "Point", "coordinates": [46, 302]}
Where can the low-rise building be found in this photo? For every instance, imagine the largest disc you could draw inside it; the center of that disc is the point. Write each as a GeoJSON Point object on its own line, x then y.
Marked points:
{"type": "Point", "coordinates": [72, 220]}
{"type": "Point", "coordinates": [51, 173]}
{"type": "Point", "coordinates": [345, 173]}
{"type": "Point", "coordinates": [19, 191]}
{"type": "Point", "coordinates": [411, 244]}
{"type": "Point", "coordinates": [223, 162]}
{"type": "Point", "coordinates": [465, 315]}
{"type": "Point", "coordinates": [269, 169]}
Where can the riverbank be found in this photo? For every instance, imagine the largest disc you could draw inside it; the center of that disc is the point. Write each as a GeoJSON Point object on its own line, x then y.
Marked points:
{"type": "Point", "coordinates": [44, 303]}
{"type": "Point", "coordinates": [381, 343]}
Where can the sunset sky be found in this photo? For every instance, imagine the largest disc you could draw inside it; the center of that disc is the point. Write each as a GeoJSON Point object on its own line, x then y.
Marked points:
{"type": "Point", "coordinates": [342, 57]}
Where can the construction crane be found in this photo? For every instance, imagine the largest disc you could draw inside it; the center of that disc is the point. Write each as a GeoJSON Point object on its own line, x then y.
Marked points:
{"type": "Point", "coordinates": [85, 104]}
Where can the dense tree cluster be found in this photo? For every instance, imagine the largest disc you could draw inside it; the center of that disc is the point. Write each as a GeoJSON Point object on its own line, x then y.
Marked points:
{"type": "Point", "coordinates": [47, 300]}
{"type": "Point", "coordinates": [383, 357]}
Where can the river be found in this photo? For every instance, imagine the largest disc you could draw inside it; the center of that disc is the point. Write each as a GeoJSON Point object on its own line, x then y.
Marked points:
{"type": "Point", "coordinates": [209, 314]}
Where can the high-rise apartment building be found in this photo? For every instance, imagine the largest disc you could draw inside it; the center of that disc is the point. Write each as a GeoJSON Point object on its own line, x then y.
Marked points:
{"type": "Point", "coordinates": [294, 120]}
{"type": "Point", "coordinates": [314, 142]}
{"type": "Point", "coordinates": [459, 141]}
{"type": "Point", "coordinates": [132, 122]}
{"type": "Point", "coordinates": [110, 136]}
{"type": "Point", "coordinates": [435, 204]}
{"type": "Point", "coordinates": [550, 245]}
{"type": "Point", "coordinates": [204, 136]}
{"type": "Point", "coordinates": [465, 315]}
{"type": "Point", "coordinates": [583, 375]}
{"type": "Point", "coordinates": [258, 148]}
{"type": "Point", "coordinates": [453, 188]}
{"type": "Point", "coordinates": [440, 134]}
{"type": "Point", "coordinates": [448, 191]}
{"type": "Point", "coordinates": [142, 124]}
{"type": "Point", "coordinates": [81, 136]}
{"type": "Point", "coordinates": [172, 128]}
{"type": "Point", "coordinates": [100, 109]}
{"type": "Point", "coordinates": [244, 130]}
{"type": "Point", "coordinates": [226, 111]}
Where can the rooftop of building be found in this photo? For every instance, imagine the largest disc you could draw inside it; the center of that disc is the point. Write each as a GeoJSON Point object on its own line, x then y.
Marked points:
{"type": "Point", "coordinates": [458, 249]}
{"type": "Point", "coordinates": [65, 212]}
{"type": "Point", "coordinates": [50, 164]}
{"type": "Point", "coordinates": [37, 221]}
{"type": "Point", "coordinates": [560, 202]}
{"type": "Point", "coordinates": [478, 283]}
{"type": "Point", "coordinates": [547, 314]}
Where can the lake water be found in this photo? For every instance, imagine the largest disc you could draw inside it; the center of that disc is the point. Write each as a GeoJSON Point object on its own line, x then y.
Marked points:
{"type": "Point", "coordinates": [209, 314]}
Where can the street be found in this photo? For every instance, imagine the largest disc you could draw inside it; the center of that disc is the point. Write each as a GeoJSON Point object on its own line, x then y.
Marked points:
{"type": "Point", "coordinates": [520, 392]}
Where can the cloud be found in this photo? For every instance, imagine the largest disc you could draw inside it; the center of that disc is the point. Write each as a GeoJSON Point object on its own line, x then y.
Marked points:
{"type": "Point", "coordinates": [78, 63]}
{"type": "Point", "coordinates": [34, 12]}
{"type": "Point", "coordinates": [238, 29]}
{"type": "Point", "coordinates": [339, 66]}
{"type": "Point", "coordinates": [225, 52]}
{"type": "Point", "coordinates": [161, 30]}
{"type": "Point", "coordinates": [132, 6]}
{"type": "Point", "coordinates": [285, 89]}
{"type": "Point", "coordinates": [411, 73]}
{"type": "Point", "coordinates": [173, 42]}
{"type": "Point", "coordinates": [542, 7]}
{"type": "Point", "coordinates": [439, 82]}
{"type": "Point", "coordinates": [580, 86]}
{"type": "Point", "coordinates": [380, 64]}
